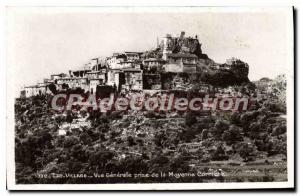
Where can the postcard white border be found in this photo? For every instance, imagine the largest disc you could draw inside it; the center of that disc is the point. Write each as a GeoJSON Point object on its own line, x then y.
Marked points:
{"type": "Point", "coordinates": [11, 185]}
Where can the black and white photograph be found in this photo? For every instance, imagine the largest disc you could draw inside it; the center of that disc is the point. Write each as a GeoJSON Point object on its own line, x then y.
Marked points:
{"type": "Point", "coordinates": [150, 98]}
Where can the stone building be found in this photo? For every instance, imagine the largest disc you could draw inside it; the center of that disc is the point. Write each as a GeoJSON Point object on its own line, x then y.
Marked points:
{"type": "Point", "coordinates": [167, 46]}
{"type": "Point", "coordinates": [111, 77]}
{"type": "Point", "coordinates": [130, 64]}
{"type": "Point", "coordinates": [93, 83]}
{"type": "Point", "coordinates": [127, 78]}
{"type": "Point", "coordinates": [79, 73]}
{"type": "Point", "coordinates": [115, 60]}
{"type": "Point", "coordinates": [48, 81]}
{"type": "Point", "coordinates": [132, 56]}
{"type": "Point", "coordinates": [181, 62]}
{"type": "Point", "coordinates": [34, 90]}
{"type": "Point", "coordinates": [72, 83]}
{"type": "Point", "coordinates": [153, 64]}
{"type": "Point", "coordinates": [57, 76]}
{"type": "Point", "coordinates": [152, 81]}
{"type": "Point", "coordinates": [133, 79]}
{"type": "Point", "coordinates": [96, 75]}
{"type": "Point", "coordinates": [96, 78]}
{"type": "Point", "coordinates": [31, 91]}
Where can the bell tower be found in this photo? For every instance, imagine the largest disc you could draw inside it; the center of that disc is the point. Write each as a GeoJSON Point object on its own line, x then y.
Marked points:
{"type": "Point", "coordinates": [167, 46]}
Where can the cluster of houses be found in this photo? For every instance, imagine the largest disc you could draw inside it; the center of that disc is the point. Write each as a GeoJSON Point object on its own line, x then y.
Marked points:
{"type": "Point", "coordinates": [127, 70]}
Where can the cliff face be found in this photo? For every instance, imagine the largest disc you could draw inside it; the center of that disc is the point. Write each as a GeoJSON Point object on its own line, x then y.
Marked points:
{"type": "Point", "coordinates": [233, 72]}
{"type": "Point", "coordinates": [188, 45]}
{"type": "Point", "coordinates": [225, 78]}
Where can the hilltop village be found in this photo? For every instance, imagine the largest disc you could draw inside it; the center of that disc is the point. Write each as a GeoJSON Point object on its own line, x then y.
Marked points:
{"type": "Point", "coordinates": [149, 70]}
{"type": "Point", "coordinates": [48, 142]}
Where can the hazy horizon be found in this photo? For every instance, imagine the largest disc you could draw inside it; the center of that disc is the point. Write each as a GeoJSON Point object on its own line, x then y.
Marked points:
{"type": "Point", "coordinates": [40, 44]}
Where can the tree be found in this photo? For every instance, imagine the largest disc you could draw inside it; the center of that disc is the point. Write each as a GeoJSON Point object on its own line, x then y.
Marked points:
{"type": "Point", "coordinates": [220, 153]}
{"type": "Point", "coordinates": [279, 129]}
{"type": "Point", "coordinates": [232, 135]}
{"type": "Point", "coordinates": [179, 164]}
{"type": "Point", "coordinates": [235, 118]}
{"type": "Point", "coordinates": [190, 119]}
{"type": "Point", "coordinates": [65, 86]}
{"type": "Point", "coordinates": [85, 138]}
{"type": "Point", "coordinates": [131, 141]}
{"type": "Point", "coordinates": [69, 117]}
{"type": "Point", "coordinates": [204, 134]}
{"type": "Point", "coordinates": [52, 88]}
{"type": "Point", "coordinates": [159, 139]}
{"type": "Point", "coordinates": [100, 157]}
{"type": "Point", "coordinates": [78, 152]}
{"type": "Point", "coordinates": [247, 151]}
{"type": "Point", "coordinates": [249, 117]}
{"type": "Point", "coordinates": [219, 128]}
{"type": "Point", "coordinates": [275, 146]}
{"type": "Point", "coordinates": [70, 141]}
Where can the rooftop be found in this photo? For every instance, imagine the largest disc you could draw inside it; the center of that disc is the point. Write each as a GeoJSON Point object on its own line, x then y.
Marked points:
{"type": "Point", "coordinates": [96, 79]}
{"type": "Point", "coordinates": [131, 70]}
{"type": "Point", "coordinates": [93, 72]}
{"type": "Point", "coordinates": [32, 86]}
{"type": "Point", "coordinates": [81, 70]}
{"type": "Point", "coordinates": [61, 74]}
{"type": "Point", "coordinates": [71, 78]}
{"type": "Point", "coordinates": [133, 52]}
{"type": "Point", "coordinates": [182, 55]}
{"type": "Point", "coordinates": [153, 59]}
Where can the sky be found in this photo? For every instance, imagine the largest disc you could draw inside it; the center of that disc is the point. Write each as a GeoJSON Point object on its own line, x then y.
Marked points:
{"type": "Point", "coordinates": [43, 42]}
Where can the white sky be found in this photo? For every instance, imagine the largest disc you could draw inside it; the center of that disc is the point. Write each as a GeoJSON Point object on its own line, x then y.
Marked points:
{"type": "Point", "coordinates": [51, 41]}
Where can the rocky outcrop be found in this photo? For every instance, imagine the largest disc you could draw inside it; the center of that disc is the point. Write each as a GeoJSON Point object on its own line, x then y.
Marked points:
{"type": "Point", "coordinates": [239, 68]}
{"type": "Point", "coordinates": [189, 45]}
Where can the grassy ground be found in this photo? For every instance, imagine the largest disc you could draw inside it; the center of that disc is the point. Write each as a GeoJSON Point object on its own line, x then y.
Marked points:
{"type": "Point", "coordinates": [249, 172]}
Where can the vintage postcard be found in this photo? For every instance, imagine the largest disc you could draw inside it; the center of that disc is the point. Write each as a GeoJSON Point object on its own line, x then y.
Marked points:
{"type": "Point", "coordinates": [159, 98]}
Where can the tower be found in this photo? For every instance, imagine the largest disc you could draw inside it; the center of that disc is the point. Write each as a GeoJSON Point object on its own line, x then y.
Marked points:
{"type": "Point", "coordinates": [167, 46]}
